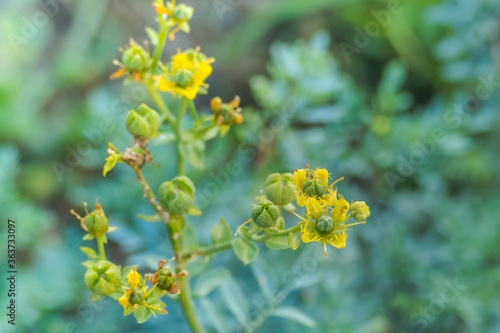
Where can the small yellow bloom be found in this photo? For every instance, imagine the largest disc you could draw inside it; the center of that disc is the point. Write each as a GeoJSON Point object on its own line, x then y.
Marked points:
{"type": "Point", "coordinates": [135, 295]}
{"type": "Point", "coordinates": [339, 212]}
{"type": "Point", "coordinates": [300, 177]}
{"type": "Point", "coordinates": [186, 74]}
{"type": "Point", "coordinates": [178, 15]}
{"type": "Point", "coordinates": [134, 279]}
{"type": "Point", "coordinates": [322, 175]}
{"type": "Point", "coordinates": [314, 209]}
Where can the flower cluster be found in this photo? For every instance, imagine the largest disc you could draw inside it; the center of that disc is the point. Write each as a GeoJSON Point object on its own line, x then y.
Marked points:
{"type": "Point", "coordinates": [138, 295]}
{"type": "Point", "coordinates": [186, 74]}
{"type": "Point", "coordinates": [326, 210]}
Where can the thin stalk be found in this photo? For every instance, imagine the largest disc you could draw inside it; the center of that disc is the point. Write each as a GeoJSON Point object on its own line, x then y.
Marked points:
{"type": "Point", "coordinates": [160, 103]}
{"type": "Point", "coordinates": [180, 263]}
{"type": "Point", "coordinates": [192, 109]}
{"type": "Point", "coordinates": [206, 251]}
{"type": "Point", "coordinates": [162, 38]}
{"type": "Point", "coordinates": [100, 246]}
{"type": "Point", "coordinates": [178, 134]}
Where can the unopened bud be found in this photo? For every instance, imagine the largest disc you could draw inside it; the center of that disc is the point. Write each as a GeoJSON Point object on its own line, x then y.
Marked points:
{"type": "Point", "coordinates": [360, 211]}
{"type": "Point", "coordinates": [103, 278]}
{"type": "Point", "coordinates": [278, 189]}
{"type": "Point", "coordinates": [135, 58]}
{"type": "Point", "coordinates": [314, 188]}
{"type": "Point", "coordinates": [143, 122]}
{"type": "Point", "coordinates": [177, 195]}
{"type": "Point", "coordinates": [265, 213]}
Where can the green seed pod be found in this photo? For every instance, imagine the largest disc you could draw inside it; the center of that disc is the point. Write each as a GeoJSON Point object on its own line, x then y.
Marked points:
{"type": "Point", "coordinates": [360, 211]}
{"type": "Point", "coordinates": [324, 224]}
{"type": "Point", "coordinates": [277, 189]}
{"type": "Point", "coordinates": [143, 122]}
{"type": "Point", "coordinates": [183, 78]}
{"type": "Point", "coordinates": [136, 296]}
{"type": "Point", "coordinates": [103, 278]}
{"type": "Point", "coordinates": [265, 213]}
{"type": "Point", "coordinates": [177, 195]}
{"type": "Point", "coordinates": [135, 58]}
{"type": "Point", "coordinates": [314, 188]}
{"type": "Point", "coordinates": [96, 223]}
{"type": "Point", "coordinates": [166, 279]}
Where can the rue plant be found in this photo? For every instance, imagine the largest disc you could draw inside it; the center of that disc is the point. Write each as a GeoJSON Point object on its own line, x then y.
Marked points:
{"type": "Point", "coordinates": [326, 211]}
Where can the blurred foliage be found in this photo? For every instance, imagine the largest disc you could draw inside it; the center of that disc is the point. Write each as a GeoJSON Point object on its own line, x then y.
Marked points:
{"type": "Point", "coordinates": [366, 116]}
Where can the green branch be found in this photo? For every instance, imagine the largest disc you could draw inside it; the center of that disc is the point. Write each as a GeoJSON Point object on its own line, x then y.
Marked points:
{"type": "Point", "coordinates": [208, 250]}
{"type": "Point", "coordinates": [178, 134]}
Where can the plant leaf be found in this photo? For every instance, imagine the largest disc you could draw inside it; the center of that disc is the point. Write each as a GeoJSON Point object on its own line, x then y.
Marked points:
{"type": "Point", "coordinates": [294, 240]}
{"type": "Point", "coordinates": [177, 223]}
{"type": "Point", "coordinates": [235, 300]}
{"type": "Point", "coordinates": [221, 232]}
{"type": "Point", "coordinates": [209, 281]}
{"type": "Point", "coordinates": [189, 238]}
{"type": "Point", "coordinates": [278, 243]}
{"type": "Point", "coordinates": [294, 314]}
{"type": "Point", "coordinates": [153, 35]}
{"type": "Point", "coordinates": [194, 153]}
{"type": "Point", "coordinates": [142, 314]}
{"type": "Point", "coordinates": [89, 252]}
{"type": "Point", "coordinates": [245, 251]}
{"type": "Point", "coordinates": [214, 315]}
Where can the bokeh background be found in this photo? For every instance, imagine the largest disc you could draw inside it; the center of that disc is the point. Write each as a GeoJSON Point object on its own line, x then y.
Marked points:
{"type": "Point", "coordinates": [399, 97]}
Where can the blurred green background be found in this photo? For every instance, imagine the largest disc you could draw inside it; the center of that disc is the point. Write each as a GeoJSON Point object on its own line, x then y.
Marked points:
{"type": "Point", "coordinates": [399, 97]}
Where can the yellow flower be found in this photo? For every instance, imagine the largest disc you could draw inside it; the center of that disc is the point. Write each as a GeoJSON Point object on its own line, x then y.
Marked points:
{"type": "Point", "coordinates": [339, 212]}
{"type": "Point", "coordinates": [322, 175]}
{"type": "Point", "coordinates": [314, 209]}
{"type": "Point", "coordinates": [300, 177]}
{"type": "Point", "coordinates": [135, 296]}
{"type": "Point", "coordinates": [186, 74]}
{"type": "Point", "coordinates": [177, 15]}
{"type": "Point", "coordinates": [314, 184]}
{"type": "Point", "coordinates": [336, 237]}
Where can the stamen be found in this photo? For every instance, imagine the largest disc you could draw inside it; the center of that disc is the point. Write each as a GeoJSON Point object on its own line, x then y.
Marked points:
{"type": "Point", "coordinates": [150, 290]}
{"type": "Point", "coordinates": [349, 225]}
{"type": "Point", "coordinates": [300, 217]}
{"type": "Point", "coordinates": [338, 180]}
{"type": "Point", "coordinates": [237, 230]}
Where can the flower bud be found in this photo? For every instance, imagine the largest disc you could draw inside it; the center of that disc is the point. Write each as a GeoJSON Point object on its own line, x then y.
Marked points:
{"type": "Point", "coordinates": [135, 58]}
{"type": "Point", "coordinates": [265, 213]}
{"type": "Point", "coordinates": [360, 211]}
{"type": "Point", "coordinates": [103, 278]}
{"type": "Point", "coordinates": [143, 122]}
{"type": "Point", "coordinates": [314, 188]}
{"type": "Point", "coordinates": [324, 224]}
{"type": "Point", "coordinates": [166, 279]}
{"type": "Point", "coordinates": [183, 12]}
{"type": "Point", "coordinates": [277, 189]}
{"type": "Point", "coordinates": [96, 222]}
{"type": "Point", "coordinates": [177, 195]}
{"type": "Point", "coordinates": [136, 296]}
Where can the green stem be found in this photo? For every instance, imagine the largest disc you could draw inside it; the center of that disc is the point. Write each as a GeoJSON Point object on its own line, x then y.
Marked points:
{"type": "Point", "coordinates": [178, 134]}
{"type": "Point", "coordinates": [185, 295]}
{"type": "Point", "coordinates": [160, 103]}
{"type": "Point", "coordinates": [192, 109]}
{"type": "Point", "coordinates": [180, 263]}
{"type": "Point", "coordinates": [206, 251]}
{"type": "Point", "coordinates": [162, 38]}
{"type": "Point", "coordinates": [100, 246]}
{"type": "Point", "coordinates": [284, 232]}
